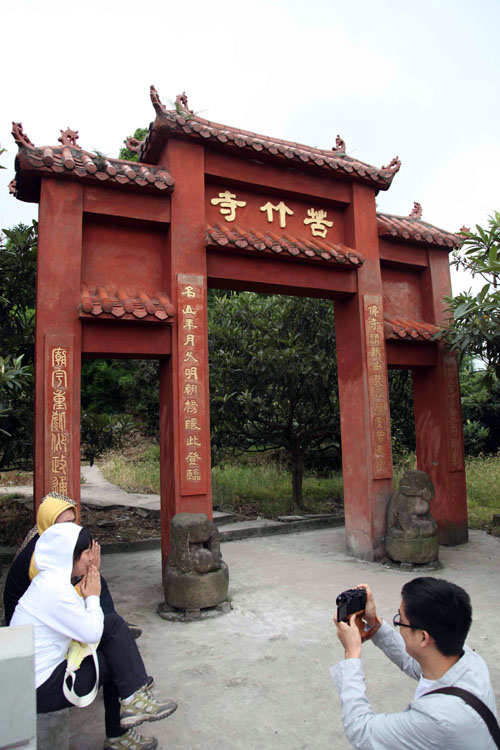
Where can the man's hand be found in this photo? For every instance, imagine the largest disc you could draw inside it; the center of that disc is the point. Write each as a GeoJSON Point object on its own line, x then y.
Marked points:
{"type": "Point", "coordinates": [95, 550]}
{"type": "Point", "coordinates": [349, 636]}
{"type": "Point", "coordinates": [370, 616]}
{"type": "Point", "coordinates": [90, 585]}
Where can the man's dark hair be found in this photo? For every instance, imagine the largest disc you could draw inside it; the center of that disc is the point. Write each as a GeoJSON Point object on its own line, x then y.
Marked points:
{"type": "Point", "coordinates": [442, 609]}
{"type": "Point", "coordinates": [82, 543]}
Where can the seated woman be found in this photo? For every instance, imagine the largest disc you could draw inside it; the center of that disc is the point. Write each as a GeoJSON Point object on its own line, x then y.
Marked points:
{"type": "Point", "coordinates": [54, 508]}
{"type": "Point", "coordinates": [59, 614]}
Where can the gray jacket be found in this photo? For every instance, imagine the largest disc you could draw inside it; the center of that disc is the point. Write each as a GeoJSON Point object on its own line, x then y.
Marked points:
{"type": "Point", "coordinates": [432, 722]}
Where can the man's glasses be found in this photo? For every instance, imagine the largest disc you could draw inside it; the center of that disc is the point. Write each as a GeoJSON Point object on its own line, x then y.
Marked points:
{"type": "Point", "coordinates": [396, 621]}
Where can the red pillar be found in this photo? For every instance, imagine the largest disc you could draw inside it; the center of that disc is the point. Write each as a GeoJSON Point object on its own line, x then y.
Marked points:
{"type": "Point", "coordinates": [438, 416]}
{"type": "Point", "coordinates": [363, 389]}
{"type": "Point", "coordinates": [184, 412]}
{"type": "Point", "coordinates": [58, 341]}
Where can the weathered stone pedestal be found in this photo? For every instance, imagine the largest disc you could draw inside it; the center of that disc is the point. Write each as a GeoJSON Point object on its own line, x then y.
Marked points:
{"type": "Point", "coordinates": [412, 532]}
{"type": "Point", "coordinates": [196, 577]}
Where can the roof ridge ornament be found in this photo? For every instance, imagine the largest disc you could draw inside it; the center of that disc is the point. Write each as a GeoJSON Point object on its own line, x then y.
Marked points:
{"type": "Point", "coordinates": [69, 137]}
{"type": "Point", "coordinates": [181, 105]}
{"type": "Point", "coordinates": [156, 101]}
{"type": "Point", "coordinates": [394, 166]}
{"type": "Point", "coordinates": [20, 136]}
{"type": "Point", "coordinates": [133, 144]}
{"type": "Point", "coordinates": [416, 212]}
{"type": "Point", "coordinates": [339, 145]}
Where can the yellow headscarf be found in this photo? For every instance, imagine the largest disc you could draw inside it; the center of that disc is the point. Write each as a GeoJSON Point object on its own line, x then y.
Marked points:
{"type": "Point", "coordinates": [49, 511]}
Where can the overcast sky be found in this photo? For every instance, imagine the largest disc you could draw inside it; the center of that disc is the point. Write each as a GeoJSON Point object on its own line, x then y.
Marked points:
{"type": "Point", "coordinates": [417, 80]}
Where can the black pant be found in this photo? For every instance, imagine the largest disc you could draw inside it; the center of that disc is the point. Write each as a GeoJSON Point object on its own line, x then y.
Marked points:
{"type": "Point", "coordinates": [121, 672]}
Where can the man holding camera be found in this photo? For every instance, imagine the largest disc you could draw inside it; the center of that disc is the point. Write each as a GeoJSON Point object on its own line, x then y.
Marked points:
{"type": "Point", "coordinates": [434, 618]}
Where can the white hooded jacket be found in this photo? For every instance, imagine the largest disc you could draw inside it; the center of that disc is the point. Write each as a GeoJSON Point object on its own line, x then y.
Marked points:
{"type": "Point", "coordinates": [52, 605]}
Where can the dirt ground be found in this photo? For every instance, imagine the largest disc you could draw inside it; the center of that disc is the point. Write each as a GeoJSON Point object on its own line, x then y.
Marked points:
{"type": "Point", "coordinates": [105, 524]}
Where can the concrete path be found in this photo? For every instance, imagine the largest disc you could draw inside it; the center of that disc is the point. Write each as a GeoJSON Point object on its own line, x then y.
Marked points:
{"type": "Point", "coordinates": [257, 678]}
{"type": "Point", "coordinates": [96, 490]}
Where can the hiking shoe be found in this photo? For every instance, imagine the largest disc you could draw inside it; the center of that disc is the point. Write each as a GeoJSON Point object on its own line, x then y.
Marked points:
{"type": "Point", "coordinates": [131, 740]}
{"type": "Point", "coordinates": [143, 707]}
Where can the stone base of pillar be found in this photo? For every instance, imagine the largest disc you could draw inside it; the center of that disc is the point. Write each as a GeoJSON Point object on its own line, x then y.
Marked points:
{"type": "Point", "coordinates": [172, 614]}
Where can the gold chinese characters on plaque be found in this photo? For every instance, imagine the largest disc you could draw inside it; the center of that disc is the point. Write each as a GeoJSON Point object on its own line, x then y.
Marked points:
{"type": "Point", "coordinates": [313, 220]}
{"type": "Point", "coordinates": [191, 338]}
{"type": "Point", "coordinates": [453, 414]}
{"type": "Point", "coordinates": [58, 428]}
{"type": "Point", "coordinates": [377, 387]}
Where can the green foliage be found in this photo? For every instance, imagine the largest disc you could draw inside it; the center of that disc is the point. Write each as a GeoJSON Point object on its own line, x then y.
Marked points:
{"type": "Point", "coordinates": [475, 324]}
{"type": "Point", "coordinates": [101, 433]}
{"type": "Point", "coordinates": [481, 411]}
{"type": "Point", "coordinates": [402, 414]}
{"type": "Point", "coordinates": [125, 152]}
{"type": "Point", "coordinates": [273, 378]}
{"type": "Point", "coordinates": [18, 248]}
{"type": "Point", "coordinates": [2, 151]}
{"type": "Point", "coordinates": [14, 379]}
{"type": "Point", "coordinates": [125, 387]}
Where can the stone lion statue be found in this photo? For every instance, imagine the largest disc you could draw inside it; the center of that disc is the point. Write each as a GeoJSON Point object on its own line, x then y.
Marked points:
{"type": "Point", "coordinates": [196, 577]}
{"type": "Point", "coordinates": [411, 529]}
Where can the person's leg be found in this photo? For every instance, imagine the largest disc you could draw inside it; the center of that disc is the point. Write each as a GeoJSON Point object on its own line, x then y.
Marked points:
{"type": "Point", "coordinates": [129, 675]}
{"type": "Point", "coordinates": [122, 655]}
{"type": "Point", "coordinates": [106, 600]}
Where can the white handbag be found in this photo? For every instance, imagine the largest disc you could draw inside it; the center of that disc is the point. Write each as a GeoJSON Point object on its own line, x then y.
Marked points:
{"type": "Point", "coordinates": [76, 654]}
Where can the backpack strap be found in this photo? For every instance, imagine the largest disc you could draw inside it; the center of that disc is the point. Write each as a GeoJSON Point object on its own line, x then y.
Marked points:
{"type": "Point", "coordinates": [478, 705]}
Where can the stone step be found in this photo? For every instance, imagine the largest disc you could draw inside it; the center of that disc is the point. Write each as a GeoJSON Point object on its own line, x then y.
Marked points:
{"type": "Point", "coordinates": [266, 527]}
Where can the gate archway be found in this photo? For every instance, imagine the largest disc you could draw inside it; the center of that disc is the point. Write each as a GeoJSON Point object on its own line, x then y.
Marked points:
{"type": "Point", "coordinates": [127, 251]}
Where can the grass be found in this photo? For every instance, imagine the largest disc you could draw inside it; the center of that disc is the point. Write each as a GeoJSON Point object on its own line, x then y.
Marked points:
{"type": "Point", "coordinates": [483, 490]}
{"type": "Point", "coordinates": [254, 488]}
{"type": "Point", "coordinates": [135, 469]}
{"type": "Point", "coordinates": [265, 489]}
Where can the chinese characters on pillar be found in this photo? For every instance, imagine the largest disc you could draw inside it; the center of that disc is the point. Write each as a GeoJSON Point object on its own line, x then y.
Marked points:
{"type": "Point", "coordinates": [377, 387]}
{"type": "Point", "coordinates": [58, 418]}
{"type": "Point", "coordinates": [453, 415]}
{"type": "Point", "coordinates": [316, 220]}
{"type": "Point", "coordinates": [192, 368]}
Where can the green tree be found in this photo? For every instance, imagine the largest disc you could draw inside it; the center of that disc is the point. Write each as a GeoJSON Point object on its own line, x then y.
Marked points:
{"type": "Point", "coordinates": [18, 248]}
{"type": "Point", "coordinates": [474, 326]}
{"type": "Point", "coordinates": [273, 378]}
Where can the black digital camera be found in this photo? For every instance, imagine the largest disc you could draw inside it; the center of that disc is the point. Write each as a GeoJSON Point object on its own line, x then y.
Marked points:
{"type": "Point", "coordinates": [350, 602]}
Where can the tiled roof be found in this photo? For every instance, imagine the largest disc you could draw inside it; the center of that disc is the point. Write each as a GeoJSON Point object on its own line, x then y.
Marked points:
{"type": "Point", "coordinates": [270, 243]}
{"type": "Point", "coordinates": [119, 304]}
{"type": "Point", "coordinates": [397, 328]}
{"type": "Point", "coordinates": [416, 230]}
{"type": "Point", "coordinates": [69, 160]}
{"type": "Point", "coordinates": [182, 121]}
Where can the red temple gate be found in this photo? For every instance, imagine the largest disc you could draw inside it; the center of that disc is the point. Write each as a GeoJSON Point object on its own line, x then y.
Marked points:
{"type": "Point", "coordinates": [127, 251]}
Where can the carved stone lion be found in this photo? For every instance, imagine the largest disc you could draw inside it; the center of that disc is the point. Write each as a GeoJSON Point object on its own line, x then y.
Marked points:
{"type": "Point", "coordinates": [411, 529]}
{"type": "Point", "coordinates": [196, 577]}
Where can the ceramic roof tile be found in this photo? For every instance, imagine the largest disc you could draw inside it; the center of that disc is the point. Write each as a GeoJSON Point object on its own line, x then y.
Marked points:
{"type": "Point", "coordinates": [69, 160]}
{"type": "Point", "coordinates": [410, 330]}
{"type": "Point", "coordinates": [416, 230]}
{"type": "Point", "coordinates": [183, 122]}
{"type": "Point", "coordinates": [268, 242]}
{"type": "Point", "coordinates": [118, 303]}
